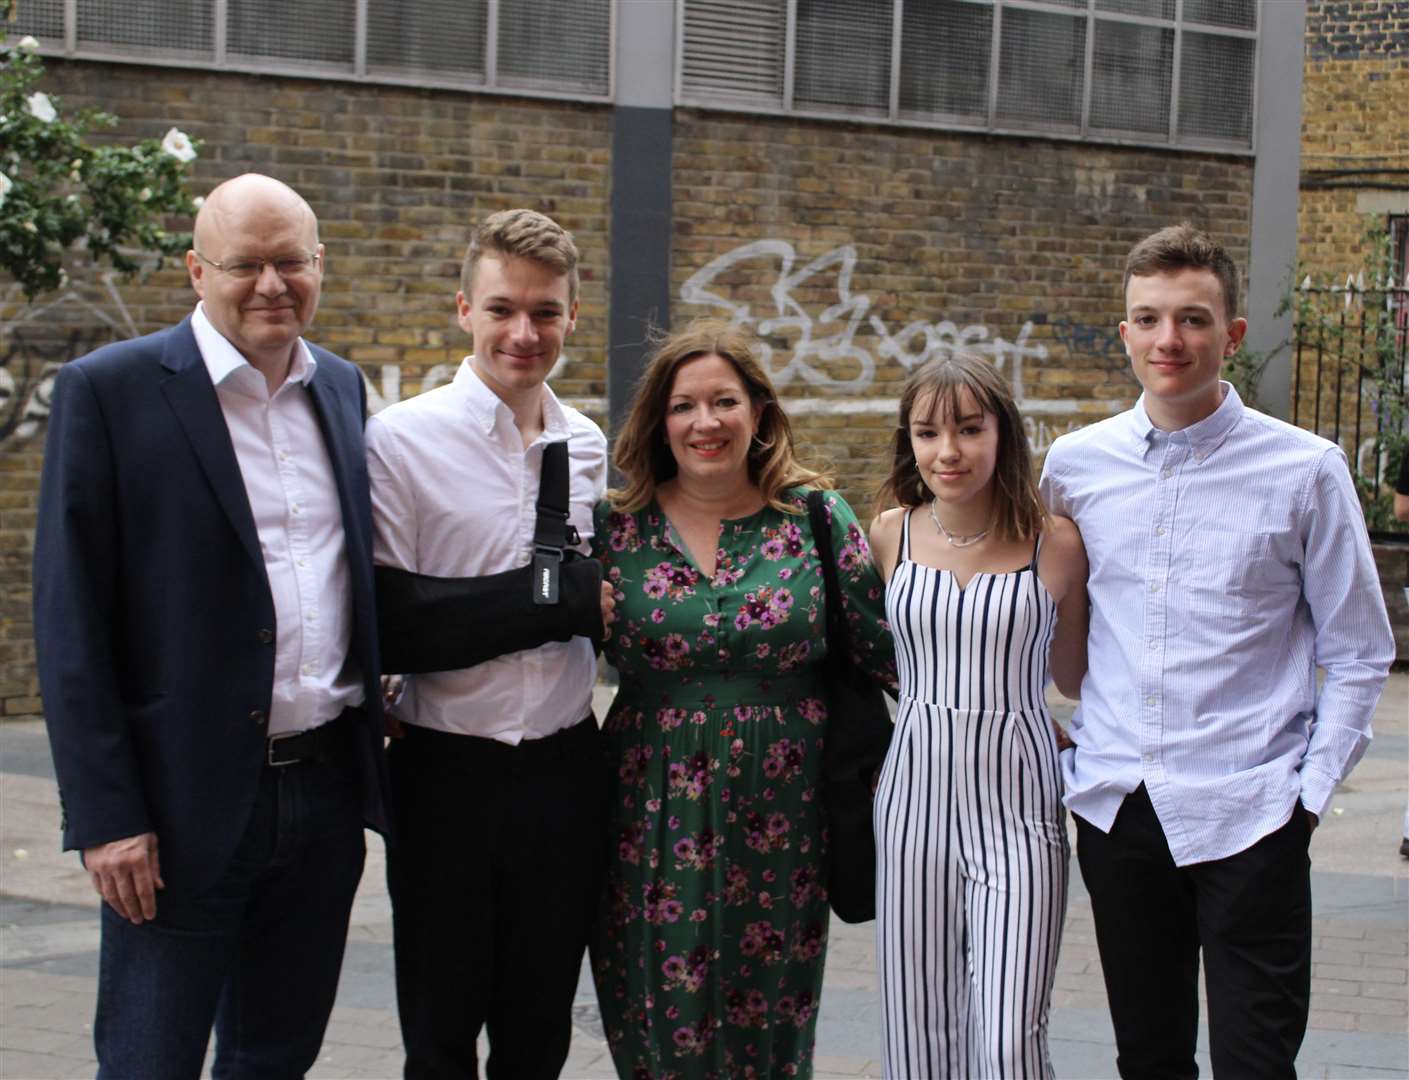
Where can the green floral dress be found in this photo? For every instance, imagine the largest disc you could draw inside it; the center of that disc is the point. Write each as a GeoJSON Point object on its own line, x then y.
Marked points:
{"type": "Point", "coordinates": [708, 956]}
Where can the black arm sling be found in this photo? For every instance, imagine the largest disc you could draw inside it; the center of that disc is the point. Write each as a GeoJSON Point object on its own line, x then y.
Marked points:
{"type": "Point", "coordinates": [430, 623]}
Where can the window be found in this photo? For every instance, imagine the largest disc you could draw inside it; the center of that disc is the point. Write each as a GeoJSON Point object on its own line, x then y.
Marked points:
{"type": "Point", "coordinates": [534, 47]}
{"type": "Point", "coordinates": [1154, 72]}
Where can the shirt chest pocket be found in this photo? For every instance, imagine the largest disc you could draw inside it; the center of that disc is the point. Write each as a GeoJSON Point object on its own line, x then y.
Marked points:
{"type": "Point", "coordinates": [1224, 573]}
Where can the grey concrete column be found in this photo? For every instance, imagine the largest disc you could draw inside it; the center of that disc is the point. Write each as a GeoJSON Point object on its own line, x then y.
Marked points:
{"type": "Point", "coordinates": [642, 135]}
{"type": "Point", "coordinates": [1275, 194]}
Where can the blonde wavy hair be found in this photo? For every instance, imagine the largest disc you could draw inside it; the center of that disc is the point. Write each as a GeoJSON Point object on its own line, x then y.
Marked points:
{"type": "Point", "coordinates": [642, 454]}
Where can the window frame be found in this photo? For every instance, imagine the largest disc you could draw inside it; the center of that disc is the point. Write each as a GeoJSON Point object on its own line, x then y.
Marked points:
{"type": "Point", "coordinates": [220, 59]}
{"type": "Point", "coordinates": [687, 97]}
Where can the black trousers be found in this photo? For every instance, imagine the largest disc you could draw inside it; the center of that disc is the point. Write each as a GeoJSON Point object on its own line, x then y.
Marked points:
{"type": "Point", "coordinates": [493, 882]}
{"type": "Point", "coordinates": [1250, 914]}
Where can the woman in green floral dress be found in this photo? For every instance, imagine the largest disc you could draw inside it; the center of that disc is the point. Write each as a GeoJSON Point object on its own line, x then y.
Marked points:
{"type": "Point", "coordinates": [708, 956]}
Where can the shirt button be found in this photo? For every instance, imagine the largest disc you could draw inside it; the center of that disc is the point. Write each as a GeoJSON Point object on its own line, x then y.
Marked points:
{"type": "Point", "coordinates": [258, 717]}
{"type": "Point", "coordinates": [1166, 473]}
{"type": "Point", "coordinates": [303, 563]}
{"type": "Point", "coordinates": [1159, 531]}
{"type": "Point", "coordinates": [308, 669]}
{"type": "Point", "coordinates": [1154, 586]}
{"type": "Point", "coordinates": [265, 635]}
{"type": "Point", "coordinates": [312, 616]}
{"type": "Point", "coordinates": [1151, 700]}
{"type": "Point", "coordinates": [295, 508]}
{"type": "Point", "coordinates": [1149, 758]}
{"type": "Point", "coordinates": [1154, 645]}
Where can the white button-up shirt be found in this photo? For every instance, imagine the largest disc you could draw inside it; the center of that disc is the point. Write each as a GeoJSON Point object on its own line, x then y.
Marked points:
{"type": "Point", "coordinates": [454, 494]}
{"type": "Point", "coordinates": [293, 495]}
{"type": "Point", "coordinates": [1228, 561]}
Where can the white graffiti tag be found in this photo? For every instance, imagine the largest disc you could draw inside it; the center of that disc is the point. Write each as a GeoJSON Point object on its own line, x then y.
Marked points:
{"type": "Point", "coordinates": [839, 322]}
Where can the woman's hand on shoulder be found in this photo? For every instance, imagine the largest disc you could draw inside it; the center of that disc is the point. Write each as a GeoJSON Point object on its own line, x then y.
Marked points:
{"type": "Point", "coordinates": [884, 538]}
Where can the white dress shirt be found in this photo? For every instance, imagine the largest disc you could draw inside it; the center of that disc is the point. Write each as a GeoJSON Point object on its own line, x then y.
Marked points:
{"type": "Point", "coordinates": [454, 494]}
{"type": "Point", "coordinates": [294, 497]}
{"type": "Point", "coordinates": [1228, 561]}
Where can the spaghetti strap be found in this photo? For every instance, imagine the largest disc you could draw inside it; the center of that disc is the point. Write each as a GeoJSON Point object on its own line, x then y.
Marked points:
{"type": "Point", "coordinates": [1036, 551]}
{"type": "Point", "coordinates": [905, 535]}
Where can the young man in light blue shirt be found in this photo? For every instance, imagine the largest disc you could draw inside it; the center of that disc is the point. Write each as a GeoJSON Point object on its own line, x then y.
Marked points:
{"type": "Point", "coordinates": [1229, 560]}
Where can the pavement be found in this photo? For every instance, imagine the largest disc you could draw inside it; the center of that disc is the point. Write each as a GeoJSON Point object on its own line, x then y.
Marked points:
{"type": "Point", "coordinates": [1359, 1024]}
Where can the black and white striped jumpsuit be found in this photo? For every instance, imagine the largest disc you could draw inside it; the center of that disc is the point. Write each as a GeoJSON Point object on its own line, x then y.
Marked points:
{"type": "Point", "coordinates": [970, 832]}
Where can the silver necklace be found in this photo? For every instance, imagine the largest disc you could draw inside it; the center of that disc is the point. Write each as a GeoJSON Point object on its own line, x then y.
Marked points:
{"type": "Point", "coordinates": [955, 541]}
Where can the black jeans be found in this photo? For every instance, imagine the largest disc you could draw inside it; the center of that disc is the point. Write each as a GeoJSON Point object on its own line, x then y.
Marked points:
{"type": "Point", "coordinates": [1251, 915]}
{"type": "Point", "coordinates": [493, 880]}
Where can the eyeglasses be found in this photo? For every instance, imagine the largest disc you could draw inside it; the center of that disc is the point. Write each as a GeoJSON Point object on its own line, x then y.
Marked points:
{"type": "Point", "coordinates": [286, 266]}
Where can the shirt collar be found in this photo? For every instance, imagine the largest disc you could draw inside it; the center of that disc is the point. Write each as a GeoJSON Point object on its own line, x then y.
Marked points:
{"type": "Point", "coordinates": [488, 408]}
{"type": "Point", "coordinates": [1203, 437]}
{"type": "Point", "coordinates": [228, 366]}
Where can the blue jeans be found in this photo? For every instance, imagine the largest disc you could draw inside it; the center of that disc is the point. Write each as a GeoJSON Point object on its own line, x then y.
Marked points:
{"type": "Point", "coordinates": [258, 954]}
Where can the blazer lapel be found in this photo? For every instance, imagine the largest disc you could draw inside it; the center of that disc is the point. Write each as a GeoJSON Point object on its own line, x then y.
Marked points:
{"type": "Point", "coordinates": [192, 398]}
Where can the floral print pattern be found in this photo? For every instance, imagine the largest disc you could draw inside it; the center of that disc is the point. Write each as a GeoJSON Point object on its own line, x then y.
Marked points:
{"type": "Point", "coordinates": [708, 957]}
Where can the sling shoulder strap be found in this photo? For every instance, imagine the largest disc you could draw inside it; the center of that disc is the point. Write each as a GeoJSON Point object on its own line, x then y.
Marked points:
{"type": "Point", "coordinates": [552, 532]}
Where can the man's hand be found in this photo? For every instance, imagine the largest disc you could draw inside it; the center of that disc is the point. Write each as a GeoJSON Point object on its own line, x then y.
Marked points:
{"type": "Point", "coordinates": [1311, 818]}
{"type": "Point", "coordinates": [608, 609]}
{"type": "Point", "coordinates": [126, 873]}
{"type": "Point", "coordinates": [393, 687]}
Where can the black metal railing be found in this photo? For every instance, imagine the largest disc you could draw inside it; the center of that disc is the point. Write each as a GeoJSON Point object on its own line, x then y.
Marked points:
{"type": "Point", "coordinates": [1350, 350]}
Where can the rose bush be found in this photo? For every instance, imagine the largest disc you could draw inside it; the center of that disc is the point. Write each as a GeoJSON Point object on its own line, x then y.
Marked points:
{"type": "Point", "coordinates": [59, 194]}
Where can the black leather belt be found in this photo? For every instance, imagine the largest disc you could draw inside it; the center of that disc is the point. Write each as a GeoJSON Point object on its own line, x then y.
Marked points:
{"type": "Point", "coordinates": [294, 747]}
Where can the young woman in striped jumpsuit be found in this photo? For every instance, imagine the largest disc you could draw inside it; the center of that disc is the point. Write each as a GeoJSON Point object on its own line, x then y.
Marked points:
{"type": "Point", "coordinates": [985, 594]}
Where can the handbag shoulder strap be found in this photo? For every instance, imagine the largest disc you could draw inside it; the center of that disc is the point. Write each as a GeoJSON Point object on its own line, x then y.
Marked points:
{"type": "Point", "coordinates": [822, 537]}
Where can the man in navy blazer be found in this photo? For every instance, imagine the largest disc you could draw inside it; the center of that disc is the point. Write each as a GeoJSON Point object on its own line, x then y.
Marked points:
{"type": "Point", "coordinates": [207, 654]}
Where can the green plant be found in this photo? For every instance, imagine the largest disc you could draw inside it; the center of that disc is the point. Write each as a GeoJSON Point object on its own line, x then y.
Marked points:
{"type": "Point", "coordinates": [1364, 328]}
{"type": "Point", "coordinates": [59, 193]}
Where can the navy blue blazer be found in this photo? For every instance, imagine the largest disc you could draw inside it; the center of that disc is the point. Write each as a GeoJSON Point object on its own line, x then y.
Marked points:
{"type": "Point", "coordinates": [153, 617]}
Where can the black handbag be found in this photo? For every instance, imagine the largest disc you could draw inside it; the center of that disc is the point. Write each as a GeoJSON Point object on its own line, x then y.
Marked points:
{"type": "Point", "coordinates": [858, 734]}
{"type": "Point", "coordinates": [428, 623]}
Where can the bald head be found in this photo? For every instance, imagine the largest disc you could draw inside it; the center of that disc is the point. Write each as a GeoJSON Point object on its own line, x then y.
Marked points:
{"type": "Point", "coordinates": [252, 194]}
{"type": "Point", "coordinates": [258, 268]}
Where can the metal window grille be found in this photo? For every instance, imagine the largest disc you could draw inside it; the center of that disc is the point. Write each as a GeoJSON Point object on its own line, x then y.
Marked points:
{"type": "Point", "coordinates": [843, 55]}
{"type": "Point", "coordinates": [1215, 87]}
{"type": "Point", "coordinates": [323, 33]}
{"type": "Point", "coordinates": [540, 48]}
{"type": "Point", "coordinates": [147, 24]}
{"type": "Point", "coordinates": [440, 40]}
{"type": "Point", "coordinates": [545, 43]}
{"type": "Point", "coordinates": [1151, 72]}
{"type": "Point", "coordinates": [1041, 68]}
{"type": "Point", "coordinates": [946, 49]}
{"type": "Point", "coordinates": [1132, 68]}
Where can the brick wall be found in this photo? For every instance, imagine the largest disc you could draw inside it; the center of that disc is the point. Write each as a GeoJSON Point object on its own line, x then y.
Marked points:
{"type": "Point", "coordinates": [396, 177]}
{"type": "Point", "coordinates": [923, 240]}
{"type": "Point", "coordinates": [882, 245]}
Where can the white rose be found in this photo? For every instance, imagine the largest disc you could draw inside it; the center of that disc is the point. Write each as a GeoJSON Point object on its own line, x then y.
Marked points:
{"type": "Point", "coordinates": [198, 201]}
{"type": "Point", "coordinates": [144, 194]}
{"type": "Point", "coordinates": [27, 44]}
{"type": "Point", "coordinates": [178, 145]}
{"type": "Point", "coordinates": [31, 227]}
{"type": "Point", "coordinates": [41, 108]}
{"type": "Point", "coordinates": [5, 185]}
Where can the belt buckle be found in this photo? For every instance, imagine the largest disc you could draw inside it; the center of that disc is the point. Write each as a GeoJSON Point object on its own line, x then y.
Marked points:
{"type": "Point", "coordinates": [275, 739]}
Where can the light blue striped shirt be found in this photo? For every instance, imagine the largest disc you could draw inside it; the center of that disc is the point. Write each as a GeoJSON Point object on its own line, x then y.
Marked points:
{"type": "Point", "coordinates": [1228, 561]}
